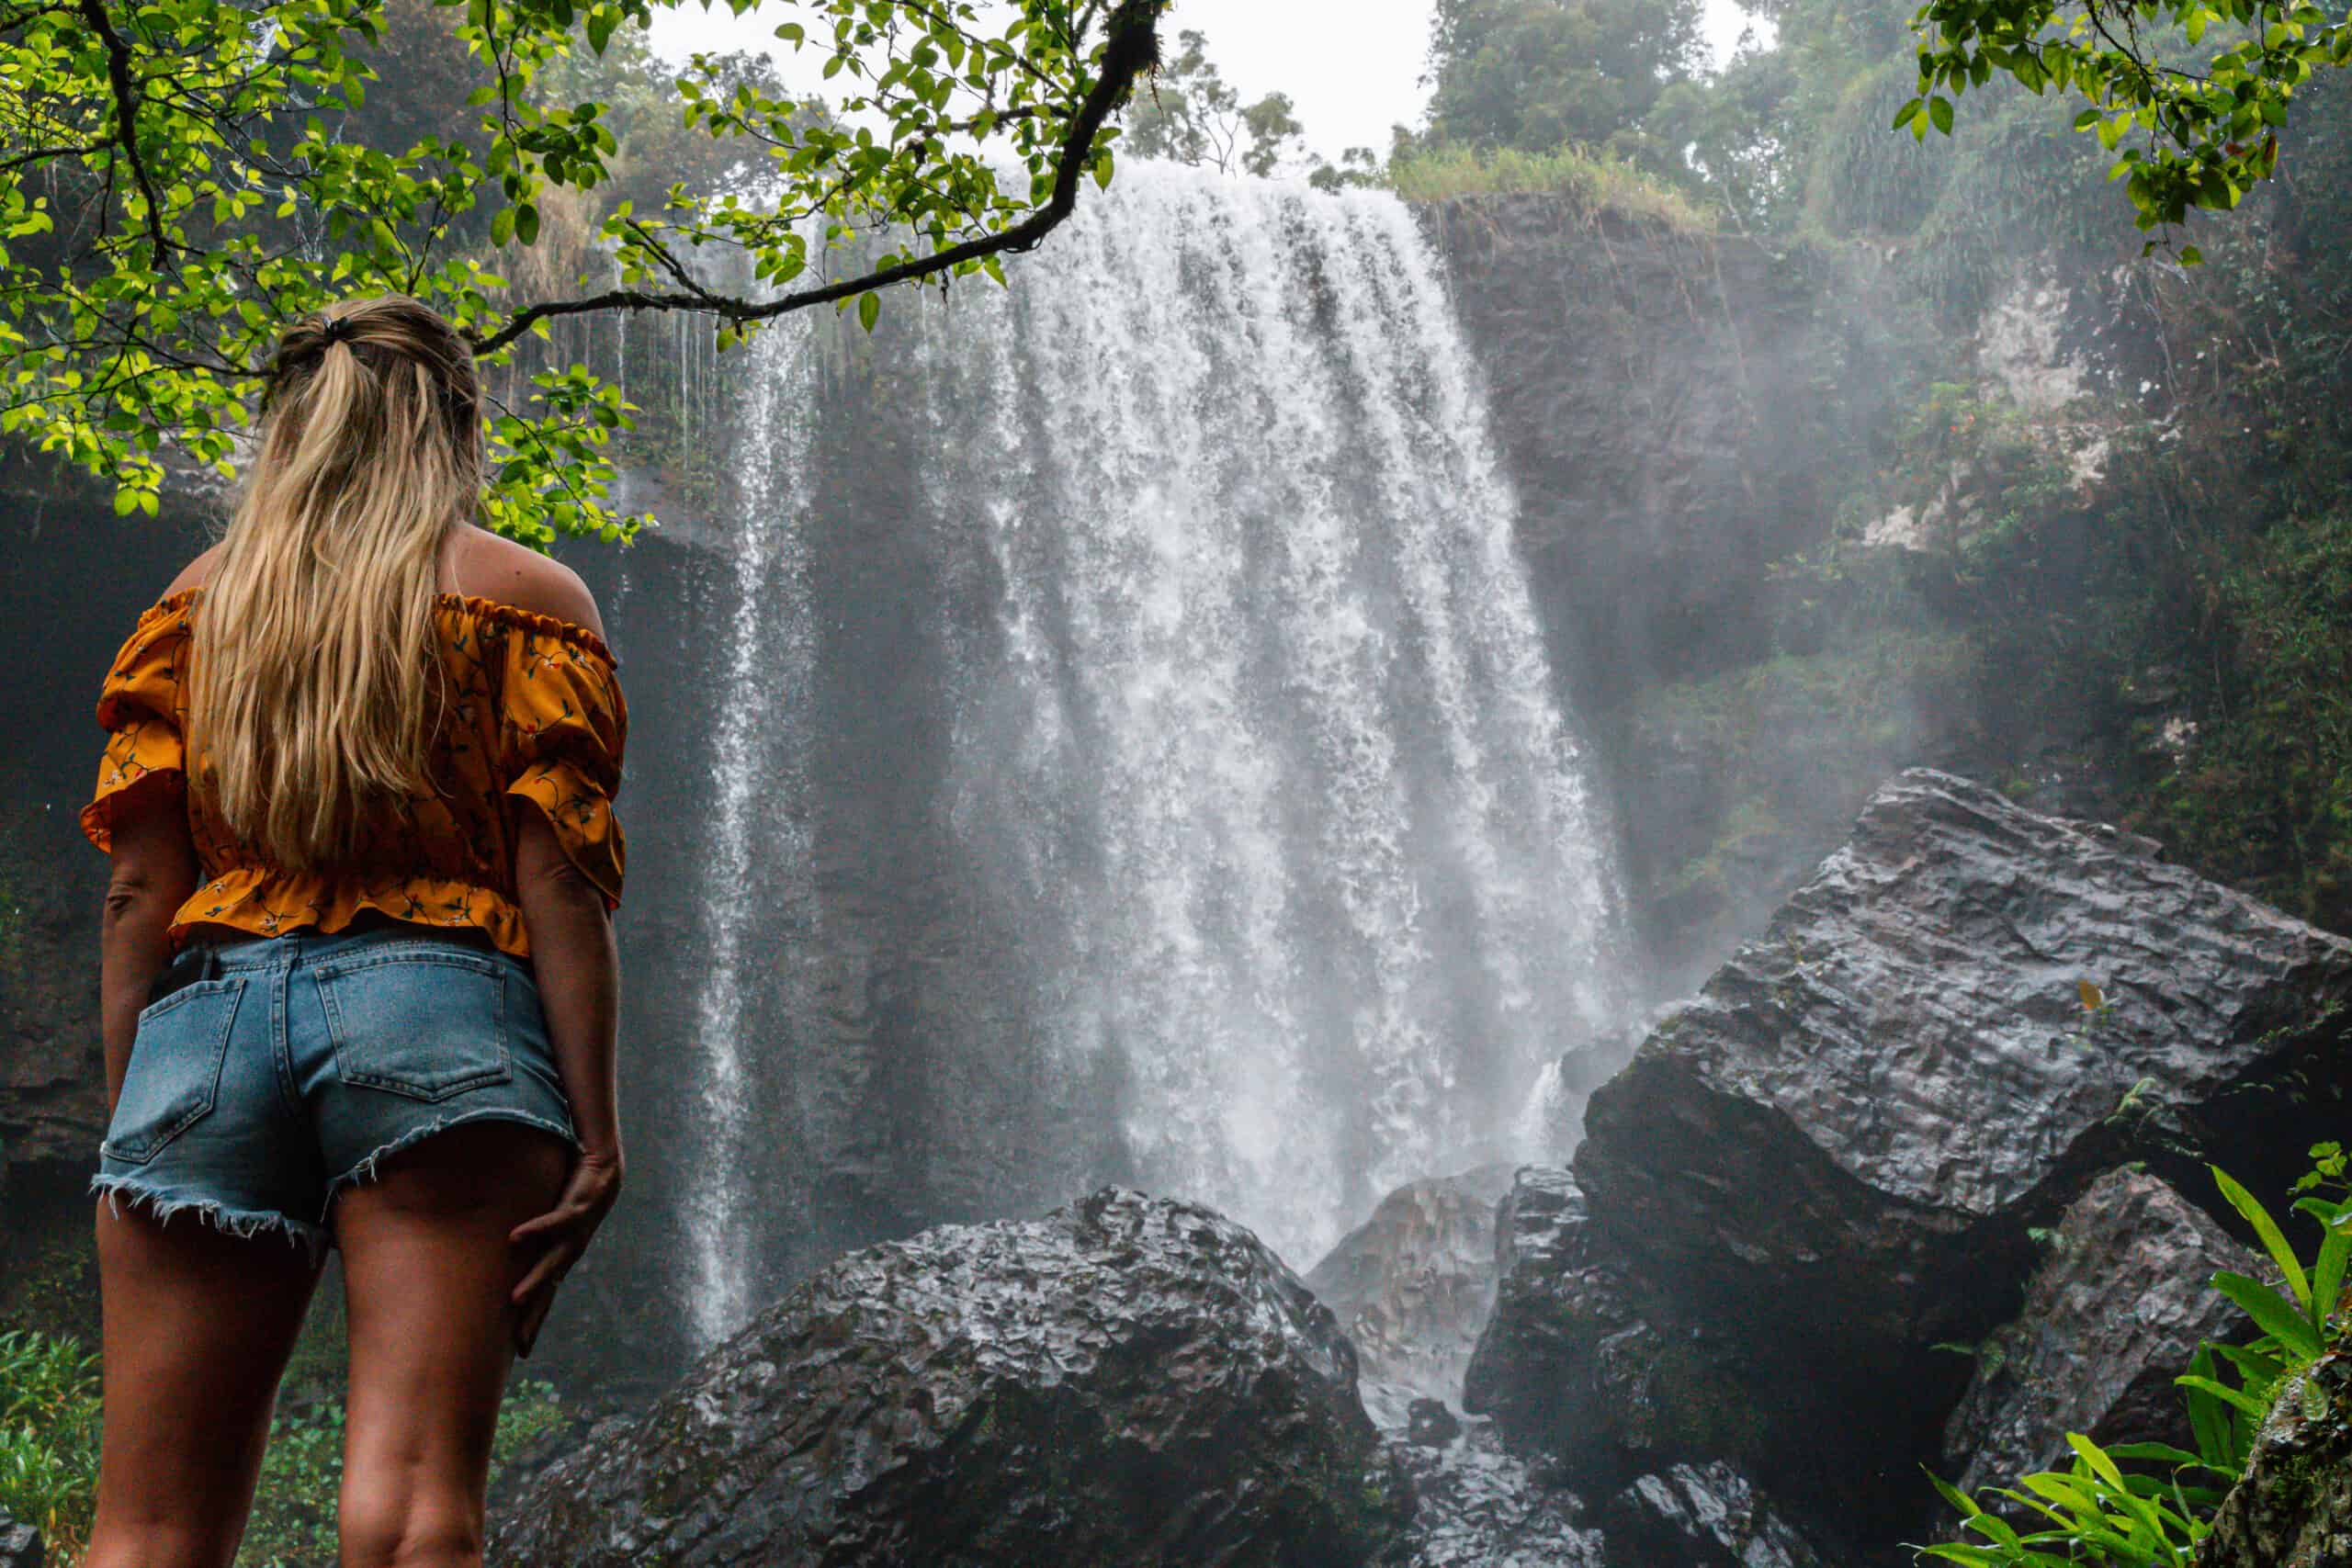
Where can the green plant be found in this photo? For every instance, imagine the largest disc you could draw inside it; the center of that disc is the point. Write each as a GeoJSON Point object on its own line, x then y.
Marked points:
{"type": "Point", "coordinates": [49, 1454]}
{"type": "Point", "coordinates": [293, 1520]}
{"type": "Point", "coordinates": [1596, 180]}
{"type": "Point", "coordinates": [2097, 1512]}
{"type": "Point", "coordinates": [49, 1436]}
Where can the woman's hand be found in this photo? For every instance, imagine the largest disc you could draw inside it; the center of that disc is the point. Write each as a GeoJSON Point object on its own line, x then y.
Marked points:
{"type": "Point", "coordinates": [564, 1233]}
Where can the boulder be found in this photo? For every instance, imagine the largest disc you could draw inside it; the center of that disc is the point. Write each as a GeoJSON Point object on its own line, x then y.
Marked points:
{"type": "Point", "coordinates": [1699, 1517]}
{"type": "Point", "coordinates": [2294, 1509]}
{"type": "Point", "coordinates": [1413, 1284]}
{"type": "Point", "coordinates": [20, 1545]}
{"type": "Point", "coordinates": [1480, 1505]}
{"type": "Point", "coordinates": [1847, 1137]}
{"type": "Point", "coordinates": [1127, 1381]}
{"type": "Point", "coordinates": [1604, 1375]}
{"type": "Point", "coordinates": [2120, 1304]}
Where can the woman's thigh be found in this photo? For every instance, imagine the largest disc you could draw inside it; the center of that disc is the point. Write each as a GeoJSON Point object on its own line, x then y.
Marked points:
{"type": "Point", "coordinates": [196, 1328]}
{"type": "Point", "coordinates": [427, 1269]}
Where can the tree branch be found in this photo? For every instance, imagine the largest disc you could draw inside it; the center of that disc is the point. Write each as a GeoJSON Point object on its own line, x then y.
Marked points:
{"type": "Point", "coordinates": [126, 113]}
{"type": "Point", "coordinates": [1132, 49]}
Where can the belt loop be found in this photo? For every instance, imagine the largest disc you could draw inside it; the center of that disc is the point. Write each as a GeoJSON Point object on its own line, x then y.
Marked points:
{"type": "Point", "coordinates": [211, 962]}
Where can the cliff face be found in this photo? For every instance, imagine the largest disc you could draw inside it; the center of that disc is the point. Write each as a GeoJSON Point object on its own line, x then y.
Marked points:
{"type": "Point", "coordinates": [1679, 412]}
{"type": "Point", "coordinates": [1667, 401]}
{"type": "Point", "coordinates": [1744, 515]}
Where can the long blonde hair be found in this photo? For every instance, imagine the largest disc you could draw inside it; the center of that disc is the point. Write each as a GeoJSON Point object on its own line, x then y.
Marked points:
{"type": "Point", "coordinates": [312, 693]}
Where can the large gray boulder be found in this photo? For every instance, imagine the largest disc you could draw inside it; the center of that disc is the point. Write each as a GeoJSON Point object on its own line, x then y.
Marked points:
{"type": "Point", "coordinates": [1606, 1375]}
{"type": "Point", "coordinates": [2118, 1306]}
{"type": "Point", "coordinates": [1413, 1285]}
{"type": "Point", "coordinates": [1127, 1381]}
{"type": "Point", "coordinates": [1848, 1134]}
{"type": "Point", "coordinates": [2294, 1509]}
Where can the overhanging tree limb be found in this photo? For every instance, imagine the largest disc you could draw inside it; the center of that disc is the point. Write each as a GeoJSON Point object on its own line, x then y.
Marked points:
{"type": "Point", "coordinates": [126, 113]}
{"type": "Point", "coordinates": [1131, 49]}
{"type": "Point", "coordinates": [184, 184]}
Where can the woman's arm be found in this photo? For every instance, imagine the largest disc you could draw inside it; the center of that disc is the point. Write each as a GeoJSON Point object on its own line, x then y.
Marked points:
{"type": "Point", "coordinates": [576, 966]}
{"type": "Point", "coordinates": [155, 873]}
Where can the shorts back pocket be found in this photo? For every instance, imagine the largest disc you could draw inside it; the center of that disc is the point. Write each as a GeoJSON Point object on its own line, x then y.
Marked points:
{"type": "Point", "coordinates": [428, 1021]}
{"type": "Point", "coordinates": [174, 1072]}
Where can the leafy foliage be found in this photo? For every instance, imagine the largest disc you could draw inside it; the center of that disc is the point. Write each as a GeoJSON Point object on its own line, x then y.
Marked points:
{"type": "Point", "coordinates": [185, 181]}
{"type": "Point", "coordinates": [48, 1452]}
{"type": "Point", "coordinates": [1191, 115]}
{"type": "Point", "coordinates": [1596, 181]}
{"type": "Point", "coordinates": [48, 1435]}
{"type": "Point", "coordinates": [2097, 1512]}
{"type": "Point", "coordinates": [2199, 89]}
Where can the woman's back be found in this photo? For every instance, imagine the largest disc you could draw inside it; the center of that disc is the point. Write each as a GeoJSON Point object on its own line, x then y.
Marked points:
{"type": "Point", "coordinates": [530, 707]}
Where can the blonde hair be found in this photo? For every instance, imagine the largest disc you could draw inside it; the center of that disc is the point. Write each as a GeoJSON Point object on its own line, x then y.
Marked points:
{"type": "Point", "coordinates": [313, 686]}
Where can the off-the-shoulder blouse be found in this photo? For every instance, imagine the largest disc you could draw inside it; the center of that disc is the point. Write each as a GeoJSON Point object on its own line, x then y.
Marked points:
{"type": "Point", "coordinates": [536, 714]}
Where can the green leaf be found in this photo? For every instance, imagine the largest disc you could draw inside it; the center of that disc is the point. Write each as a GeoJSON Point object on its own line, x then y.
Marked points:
{"type": "Point", "coordinates": [2273, 1242]}
{"type": "Point", "coordinates": [1939, 111]}
{"type": "Point", "coordinates": [527, 223]}
{"type": "Point", "coordinates": [2272, 1313]}
{"type": "Point", "coordinates": [869, 309]}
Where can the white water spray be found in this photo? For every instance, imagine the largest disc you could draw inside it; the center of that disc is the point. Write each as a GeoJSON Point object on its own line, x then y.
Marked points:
{"type": "Point", "coordinates": [1269, 744]}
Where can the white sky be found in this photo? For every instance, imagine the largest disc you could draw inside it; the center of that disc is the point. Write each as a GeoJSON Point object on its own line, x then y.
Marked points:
{"type": "Point", "coordinates": [1353, 66]}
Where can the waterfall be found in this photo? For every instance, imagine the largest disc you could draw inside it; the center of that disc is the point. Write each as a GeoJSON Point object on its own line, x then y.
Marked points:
{"type": "Point", "coordinates": [1261, 737]}
{"type": "Point", "coordinates": [758, 833]}
{"type": "Point", "coordinates": [1133, 752]}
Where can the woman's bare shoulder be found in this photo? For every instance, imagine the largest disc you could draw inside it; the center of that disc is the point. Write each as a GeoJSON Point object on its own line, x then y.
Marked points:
{"type": "Point", "coordinates": [485, 565]}
{"type": "Point", "coordinates": [194, 573]}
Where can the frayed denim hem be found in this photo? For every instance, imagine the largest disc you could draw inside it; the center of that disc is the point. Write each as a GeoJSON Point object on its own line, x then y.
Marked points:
{"type": "Point", "coordinates": [366, 1169]}
{"type": "Point", "coordinates": [242, 1223]}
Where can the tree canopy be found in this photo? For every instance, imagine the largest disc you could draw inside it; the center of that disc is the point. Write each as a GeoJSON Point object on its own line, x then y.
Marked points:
{"type": "Point", "coordinates": [2194, 92]}
{"type": "Point", "coordinates": [186, 177]}
{"type": "Point", "coordinates": [1531, 74]}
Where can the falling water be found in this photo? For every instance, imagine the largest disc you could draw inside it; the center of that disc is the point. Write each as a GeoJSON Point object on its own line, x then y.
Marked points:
{"type": "Point", "coordinates": [758, 835]}
{"type": "Point", "coordinates": [1263, 740]}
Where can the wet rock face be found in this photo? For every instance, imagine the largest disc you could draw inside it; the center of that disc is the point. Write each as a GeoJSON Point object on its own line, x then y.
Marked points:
{"type": "Point", "coordinates": [1414, 1284]}
{"type": "Point", "coordinates": [1837, 1156]}
{"type": "Point", "coordinates": [2294, 1508]}
{"type": "Point", "coordinates": [1537, 1370]}
{"type": "Point", "coordinates": [20, 1545]}
{"type": "Point", "coordinates": [1480, 1505]}
{"type": "Point", "coordinates": [1699, 1517]}
{"type": "Point", "coordinates": [1606, 1375]}
{"type": "Point", "coordinates": [2113, 1315]}
{"type": "Point", "coordinates": [1855, 1123]}
{"type": "Point", "coordinates": [1126, 1382]}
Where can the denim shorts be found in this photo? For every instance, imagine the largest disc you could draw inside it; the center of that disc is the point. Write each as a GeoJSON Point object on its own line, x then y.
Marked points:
{"type": "Point", "coordinates": [292, 1063]}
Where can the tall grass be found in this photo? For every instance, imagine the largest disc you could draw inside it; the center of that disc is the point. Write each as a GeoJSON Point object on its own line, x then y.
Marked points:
{"type": "Point", "coordinates": [1599, 182]}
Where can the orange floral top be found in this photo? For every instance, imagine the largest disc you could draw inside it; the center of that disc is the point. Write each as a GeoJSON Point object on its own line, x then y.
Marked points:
{"type": "Point", "coordinates": [538, 714]}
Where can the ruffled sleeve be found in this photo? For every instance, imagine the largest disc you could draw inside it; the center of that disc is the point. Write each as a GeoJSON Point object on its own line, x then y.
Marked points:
{"type": "Point", "coordinates": [565, 723]}
{"type": "Point", "coordinates": [141, 708]}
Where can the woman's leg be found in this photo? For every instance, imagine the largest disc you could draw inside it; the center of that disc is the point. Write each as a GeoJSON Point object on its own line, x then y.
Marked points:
{"type": "Point", "coordinates": [196, 1328]}
{"type": "Point", "coordinates": [427, 1269]}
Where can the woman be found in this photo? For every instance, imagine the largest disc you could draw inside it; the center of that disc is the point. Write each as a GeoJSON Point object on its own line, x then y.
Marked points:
{"type": "Point", "coordinates": [359, 981]}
